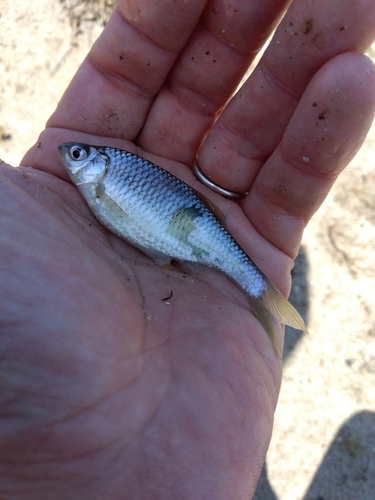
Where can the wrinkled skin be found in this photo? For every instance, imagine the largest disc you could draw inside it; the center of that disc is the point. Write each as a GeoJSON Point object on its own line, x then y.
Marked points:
{"type": "Point", "coordinates": [108, 389]}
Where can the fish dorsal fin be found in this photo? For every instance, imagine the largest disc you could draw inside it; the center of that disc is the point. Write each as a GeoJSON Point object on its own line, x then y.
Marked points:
{"type": "Point", "coordinates": [214, 208]}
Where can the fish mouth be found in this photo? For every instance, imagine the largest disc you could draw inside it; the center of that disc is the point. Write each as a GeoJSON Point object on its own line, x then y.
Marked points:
{"type": "Point", "coordinates": [61, 149]}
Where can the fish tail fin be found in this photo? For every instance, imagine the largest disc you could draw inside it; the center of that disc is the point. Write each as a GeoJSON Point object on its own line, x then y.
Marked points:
{"type": "Point", "coordinates": [273, 305]}
{"type": "Point", "coordinates": [266, 319]}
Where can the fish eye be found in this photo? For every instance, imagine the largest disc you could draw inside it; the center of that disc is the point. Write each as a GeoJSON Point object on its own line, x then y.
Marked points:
{"type": "Point", "coordinates": [78, 153]}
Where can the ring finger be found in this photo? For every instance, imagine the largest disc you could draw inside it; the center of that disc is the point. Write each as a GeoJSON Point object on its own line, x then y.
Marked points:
{"type": "Point", "coordinates": [253, 123]}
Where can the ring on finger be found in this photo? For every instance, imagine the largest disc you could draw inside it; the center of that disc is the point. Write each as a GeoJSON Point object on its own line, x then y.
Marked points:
{"type": "Point", "coordinates": [232, 195]}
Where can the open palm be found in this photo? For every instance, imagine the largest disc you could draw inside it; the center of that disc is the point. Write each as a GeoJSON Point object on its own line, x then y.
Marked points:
{"type": "Point", "coordinates": [121, 379]}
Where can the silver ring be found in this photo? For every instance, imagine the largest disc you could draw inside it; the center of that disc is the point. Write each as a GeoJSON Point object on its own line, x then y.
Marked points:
{"type": "Point", "coordinates": [232, 195]}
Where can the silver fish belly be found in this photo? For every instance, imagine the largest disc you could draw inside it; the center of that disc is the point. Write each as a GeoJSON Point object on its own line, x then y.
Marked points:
{"type": "Point", "coordinates": [167, 219]}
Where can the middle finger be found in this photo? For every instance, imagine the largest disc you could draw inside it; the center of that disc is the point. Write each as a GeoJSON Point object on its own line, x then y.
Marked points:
{"type": "Point", "coordinates": [209, 68]}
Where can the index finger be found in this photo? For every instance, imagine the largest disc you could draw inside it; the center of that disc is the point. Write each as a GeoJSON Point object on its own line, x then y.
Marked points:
{"type": "Point", "coordinates": [116, 84]}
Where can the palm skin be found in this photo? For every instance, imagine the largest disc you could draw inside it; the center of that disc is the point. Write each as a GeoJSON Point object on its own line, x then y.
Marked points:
{"type": "Point", "coordinates": [108, 388]}
{"type": "Point", "coordinates": [107, 372]}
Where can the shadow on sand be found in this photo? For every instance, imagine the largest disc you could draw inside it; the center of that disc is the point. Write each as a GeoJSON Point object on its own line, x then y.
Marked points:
{"type": "Point", "coordinates": [347, 471]}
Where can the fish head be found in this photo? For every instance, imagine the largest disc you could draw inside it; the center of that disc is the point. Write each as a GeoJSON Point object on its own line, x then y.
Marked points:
{"type": "Point", "coordinates": [84, 164]}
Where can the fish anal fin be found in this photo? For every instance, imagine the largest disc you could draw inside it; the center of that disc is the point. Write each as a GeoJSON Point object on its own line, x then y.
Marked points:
{"type": "Point", "coordinates": [266, 319]}
{"type": "Point", "coordinates": [160, 258]}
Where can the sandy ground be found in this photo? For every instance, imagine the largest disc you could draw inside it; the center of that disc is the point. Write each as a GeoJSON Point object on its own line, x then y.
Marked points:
{"type": "Point", "coordinates": [323, 446]}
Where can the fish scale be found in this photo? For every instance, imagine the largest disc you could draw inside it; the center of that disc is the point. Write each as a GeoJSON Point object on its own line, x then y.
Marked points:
{"type": "Point", "coordinates": [144, 186]}
{"type": "Point", "coordinates": [167, 219]}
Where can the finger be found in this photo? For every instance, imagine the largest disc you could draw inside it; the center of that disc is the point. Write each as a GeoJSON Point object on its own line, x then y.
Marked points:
{"type": "Point", "coordinates": [207, 73]}
{"type": "Point", "coordinates": [116, 84]}
{"type": "Point", "coordinates": [327, 129]}
{"type": "Point", "coordinates": [254, 122]}
{"type": "Point", "coordinates": [113, 89]}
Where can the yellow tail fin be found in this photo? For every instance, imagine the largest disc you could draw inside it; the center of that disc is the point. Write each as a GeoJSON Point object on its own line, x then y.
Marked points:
{"type": "Point", "coordinates": [273, 305]}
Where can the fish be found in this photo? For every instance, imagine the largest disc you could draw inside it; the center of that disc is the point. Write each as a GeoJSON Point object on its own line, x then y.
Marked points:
{"type": "Point", "coordinates": [168, 220]}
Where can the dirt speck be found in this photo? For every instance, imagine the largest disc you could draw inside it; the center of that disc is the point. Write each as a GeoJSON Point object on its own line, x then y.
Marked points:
{"type": "Point", "coordinates": [307, 26]}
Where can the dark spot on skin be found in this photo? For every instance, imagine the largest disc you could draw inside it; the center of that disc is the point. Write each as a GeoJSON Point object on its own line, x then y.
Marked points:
{"type": "Point", "coordinates": [207, 52]}
{"type": "Point", "coordinates": [321, 115]}
{"type": "Point", "coordinates": [343, 28]}
{"type": "Point", "coordinates": [39, 145]}
{"type": "Point", "coordinates": [308, 26]}
{"type": "Point", "coordinates": [192, 58]}
{"type": "Point", "coordinates": [121, 56]}
{"type": "Point", "coordinates": [214, 60]}
{"type": "Point", "coordinates": [314, 104]}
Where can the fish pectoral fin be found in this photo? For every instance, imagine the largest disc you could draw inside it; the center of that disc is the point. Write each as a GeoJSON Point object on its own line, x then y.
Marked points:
{"type": "Point", "coordinates": [271, 306]}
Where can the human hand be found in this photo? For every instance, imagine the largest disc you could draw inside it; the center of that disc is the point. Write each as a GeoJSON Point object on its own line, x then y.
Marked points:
{"type": "Point", "coordinates": [109, 391]}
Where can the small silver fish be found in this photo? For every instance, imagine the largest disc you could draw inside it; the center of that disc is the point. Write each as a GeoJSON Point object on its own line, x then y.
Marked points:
{"type": "Point", "coordinates": [167, 219]}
